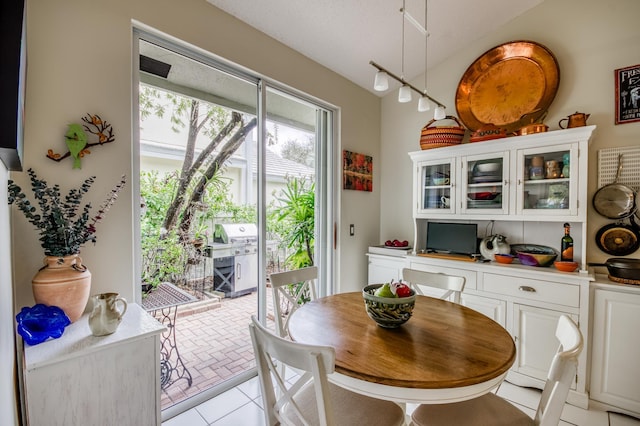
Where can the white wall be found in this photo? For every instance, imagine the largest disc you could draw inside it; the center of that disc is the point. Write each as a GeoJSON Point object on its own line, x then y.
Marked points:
{"type": "Point", "coordinates": [80, 61]}
{"type": "Point", "coordinates": [590, 39]}
{"type": "Point", "coordinates": [8, 398]}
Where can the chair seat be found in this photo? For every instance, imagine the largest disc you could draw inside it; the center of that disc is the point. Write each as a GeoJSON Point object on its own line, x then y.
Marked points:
{"type": "Point", "coordinates": [487, 410]}
{"type": "Point", "coordinates": [349, 408]}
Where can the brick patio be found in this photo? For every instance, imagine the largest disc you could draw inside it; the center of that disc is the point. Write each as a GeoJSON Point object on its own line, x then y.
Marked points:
{"type": "Point", "coordinates": [213, 340]}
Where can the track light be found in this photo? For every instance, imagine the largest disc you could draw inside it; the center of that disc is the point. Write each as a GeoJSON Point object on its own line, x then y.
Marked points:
{"type": "Point", "coordinates": [404, 94]}
{"type": "Point", "coordinates": [403, 82]}
{"type": "Point", "coordinates": [381, 82]}
{"type": "Point", "coordinates": [423, 104]}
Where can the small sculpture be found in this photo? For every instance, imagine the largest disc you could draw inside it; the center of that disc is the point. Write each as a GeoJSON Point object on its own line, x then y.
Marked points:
{"type": "Point", "coordinates": [78, 141]}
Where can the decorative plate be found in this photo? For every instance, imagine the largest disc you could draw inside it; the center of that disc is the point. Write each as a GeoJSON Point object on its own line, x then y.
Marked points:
{"type": "Point", "coordinates": [505, 83]}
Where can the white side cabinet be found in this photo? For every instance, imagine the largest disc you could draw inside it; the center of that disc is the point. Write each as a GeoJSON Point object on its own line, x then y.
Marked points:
{"type": "Point", "coordinates": [615, 370]}
{"type": "Point", "coordinates": [383, 268]}
{"type": "Point", "coordinates": [80, 379]}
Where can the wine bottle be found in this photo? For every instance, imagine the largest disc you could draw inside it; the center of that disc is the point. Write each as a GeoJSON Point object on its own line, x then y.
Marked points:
{"type": "Point", "coordinates": [566, 245]}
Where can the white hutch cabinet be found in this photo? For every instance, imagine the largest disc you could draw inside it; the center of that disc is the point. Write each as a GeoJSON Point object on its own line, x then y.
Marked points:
{"type": "Point", "coordinates": [492, 183]}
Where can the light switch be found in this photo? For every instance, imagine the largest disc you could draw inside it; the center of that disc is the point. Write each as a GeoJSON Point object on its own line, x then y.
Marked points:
{"type": "Point", "coordinates": [352, 229]}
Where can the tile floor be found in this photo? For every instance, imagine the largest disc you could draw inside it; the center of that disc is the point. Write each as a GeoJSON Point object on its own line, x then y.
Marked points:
{"type": "Point", "coordinates": [242, 406]}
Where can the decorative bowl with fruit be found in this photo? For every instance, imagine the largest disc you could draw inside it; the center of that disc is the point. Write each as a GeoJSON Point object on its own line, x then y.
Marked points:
{"type": "Point", "coordinates": [390, 305]}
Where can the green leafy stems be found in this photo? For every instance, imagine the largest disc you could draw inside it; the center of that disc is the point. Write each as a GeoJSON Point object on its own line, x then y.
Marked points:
{"type": "Point", "coordinates": [63, 225]}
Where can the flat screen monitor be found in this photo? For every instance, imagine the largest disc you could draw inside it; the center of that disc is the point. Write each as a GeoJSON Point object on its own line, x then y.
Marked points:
{"type": "Point", "coordinates": [459, 238]}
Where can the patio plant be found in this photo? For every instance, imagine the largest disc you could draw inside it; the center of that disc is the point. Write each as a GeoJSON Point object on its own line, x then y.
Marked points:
{"type": "Point", "coordinates": [297, 213]}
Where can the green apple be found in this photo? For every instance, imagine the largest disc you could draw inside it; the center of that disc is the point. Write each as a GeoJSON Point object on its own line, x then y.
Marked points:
{"type": "Point", "coordinates": [384, 291]}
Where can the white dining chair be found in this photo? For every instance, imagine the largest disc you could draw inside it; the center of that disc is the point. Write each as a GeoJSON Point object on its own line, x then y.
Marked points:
{"type": "Point", "coordinates": [490, 409]}
{"type": "Point", "coordinates": [291, 289]}
{"type": "Point", "coordinates": [309, 399]}
{"type": "Point", "coordinates": [421, 280]}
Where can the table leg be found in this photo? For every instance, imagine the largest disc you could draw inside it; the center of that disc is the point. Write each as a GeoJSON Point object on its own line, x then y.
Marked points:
{"type": "Point", "coordinates": [170, 361]}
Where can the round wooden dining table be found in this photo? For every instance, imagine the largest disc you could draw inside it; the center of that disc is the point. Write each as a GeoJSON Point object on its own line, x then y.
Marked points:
{"type": "Point", "coordinates": [445, 353]}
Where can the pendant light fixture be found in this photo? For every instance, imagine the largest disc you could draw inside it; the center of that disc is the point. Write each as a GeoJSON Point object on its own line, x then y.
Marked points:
{"type": "Point", "coordinates": [381, 81]}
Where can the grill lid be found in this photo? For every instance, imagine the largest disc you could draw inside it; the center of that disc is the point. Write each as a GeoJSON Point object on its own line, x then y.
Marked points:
{"type": "Point", "coordinates": [235, 232]}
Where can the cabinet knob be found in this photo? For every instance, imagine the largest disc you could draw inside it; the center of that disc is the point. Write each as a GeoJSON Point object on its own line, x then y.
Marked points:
{"type": "Point", "coordinates": [527, 288]}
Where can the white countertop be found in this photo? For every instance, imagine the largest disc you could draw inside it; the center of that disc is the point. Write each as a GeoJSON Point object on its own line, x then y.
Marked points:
{"type": "Point", "coordinates": [77, 339]}
{"type": "Point", "coordinates": [390, 251]}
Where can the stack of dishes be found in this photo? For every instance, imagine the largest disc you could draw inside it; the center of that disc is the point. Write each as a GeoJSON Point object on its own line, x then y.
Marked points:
{"type": "Point", "coordinates": [486, 171]}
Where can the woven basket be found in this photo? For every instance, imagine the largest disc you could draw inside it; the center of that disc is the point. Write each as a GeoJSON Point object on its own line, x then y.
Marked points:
{"type": "Point", "coordinates": [440, 136]}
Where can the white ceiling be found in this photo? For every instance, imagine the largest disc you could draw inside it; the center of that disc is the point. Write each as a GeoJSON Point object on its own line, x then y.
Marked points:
{"type": "Point", "coordinates": [344, 35]}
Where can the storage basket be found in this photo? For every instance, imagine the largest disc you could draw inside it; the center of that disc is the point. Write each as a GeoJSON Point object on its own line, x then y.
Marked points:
{"type": "Point", "coordinates": [440, 136]}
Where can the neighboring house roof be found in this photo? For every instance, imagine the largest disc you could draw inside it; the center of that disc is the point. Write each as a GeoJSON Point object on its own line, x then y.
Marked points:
{"type": "Point", "coordinates": [281, 167]}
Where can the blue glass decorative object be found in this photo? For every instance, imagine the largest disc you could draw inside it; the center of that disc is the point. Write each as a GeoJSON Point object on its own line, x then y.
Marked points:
{"type": "Point", "coordinates": [38, 323]}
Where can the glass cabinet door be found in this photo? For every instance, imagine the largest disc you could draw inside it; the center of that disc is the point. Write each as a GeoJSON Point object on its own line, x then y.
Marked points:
{"type": "Point", "coordinates": [437, 180]}
{"type": "Point", "coordinates": [546, 184]}
{"type": "Point", "coordinates": [485, 183]}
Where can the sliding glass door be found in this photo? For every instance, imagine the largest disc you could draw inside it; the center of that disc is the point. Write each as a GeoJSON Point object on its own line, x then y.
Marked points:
{"type": "Point", "coordinates": [226, 161]}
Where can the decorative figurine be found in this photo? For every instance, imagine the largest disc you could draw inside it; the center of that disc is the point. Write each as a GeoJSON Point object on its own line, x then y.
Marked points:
{"type": "Point", "coordinates": [78, 141]}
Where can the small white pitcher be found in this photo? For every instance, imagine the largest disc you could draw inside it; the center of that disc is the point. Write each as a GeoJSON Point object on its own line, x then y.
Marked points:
{"type": "Point", "coordinates": [105, 316]}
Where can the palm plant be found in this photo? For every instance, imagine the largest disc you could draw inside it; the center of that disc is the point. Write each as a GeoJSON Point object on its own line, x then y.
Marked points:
{"type": "Point", "coordinates": [298, 213]}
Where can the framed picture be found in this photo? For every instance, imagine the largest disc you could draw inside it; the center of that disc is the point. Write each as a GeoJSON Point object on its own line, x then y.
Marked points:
{"type": "Point", "coordinates": [628, 94]}
{"type": "Point", "coordinates": [357, 171]}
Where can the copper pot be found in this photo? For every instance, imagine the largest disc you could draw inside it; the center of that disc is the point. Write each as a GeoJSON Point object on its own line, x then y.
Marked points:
{"type": "Point", "coordinates": [578, 119]}
{"type": "Point", "coordinates": [532, 128]}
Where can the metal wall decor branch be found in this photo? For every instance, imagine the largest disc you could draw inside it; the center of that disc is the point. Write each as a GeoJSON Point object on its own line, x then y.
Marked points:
{"type": "Point", "coordinates": [77, 139]}
{"type": "Point", "coordinates": [404, 82]}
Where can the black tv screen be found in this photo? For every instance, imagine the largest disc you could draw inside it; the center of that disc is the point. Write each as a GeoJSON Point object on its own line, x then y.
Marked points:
{"type": "Point", "coordinates": [459, 238]}
{"type": "Point", "coordinates": [12, 82]}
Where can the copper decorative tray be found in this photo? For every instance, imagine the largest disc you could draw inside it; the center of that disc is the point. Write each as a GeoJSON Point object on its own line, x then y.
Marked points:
{"type": "Point", "coordinates": [506, 82]}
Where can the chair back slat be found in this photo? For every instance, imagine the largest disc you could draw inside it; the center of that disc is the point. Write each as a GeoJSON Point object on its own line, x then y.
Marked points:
{"type": "Point", "coordinates": [420, 280]}
{"type": "Point", "coordinates": [315, 362]}
{"type": "Point", "coordinates": [291, 289]}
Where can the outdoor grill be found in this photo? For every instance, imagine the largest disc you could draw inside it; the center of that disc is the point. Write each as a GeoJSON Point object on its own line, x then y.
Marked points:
{"type": "Point", "coordinates": [235, 258]}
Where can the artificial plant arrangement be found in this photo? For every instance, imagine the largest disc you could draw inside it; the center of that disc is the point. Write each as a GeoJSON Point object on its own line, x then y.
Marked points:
{"type": "Point", "coordinates": [63, 225]}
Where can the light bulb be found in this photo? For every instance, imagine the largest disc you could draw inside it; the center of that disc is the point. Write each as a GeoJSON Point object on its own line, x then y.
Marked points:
{"type": "Point", "coordinates": [404, 94]}
{"type": "Point", "coordinates": [423, 104]}
{"type": "Point", "coordinates": [438, 113]}
{"type": "Point", "coordinates": [381, 81]}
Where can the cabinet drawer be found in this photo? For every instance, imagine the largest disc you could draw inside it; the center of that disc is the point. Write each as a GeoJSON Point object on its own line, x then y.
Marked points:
{"type": "Point", "coordinates": [535, 290]}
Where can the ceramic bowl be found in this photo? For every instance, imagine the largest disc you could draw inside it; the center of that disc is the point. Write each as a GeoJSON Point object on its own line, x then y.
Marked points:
{"type": "Point", "coordinates": [481, 167]}
{"type": "Point", "coordinates": [503, 258]}
{"type": "Point", "coordinates": [388, 312]}
{"type": "Point", "coordinates": [565, 266]}
{"type": "Point", "coordinates": [440, 180]}
{"type": "Point", "coordinates": [536, 258]}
